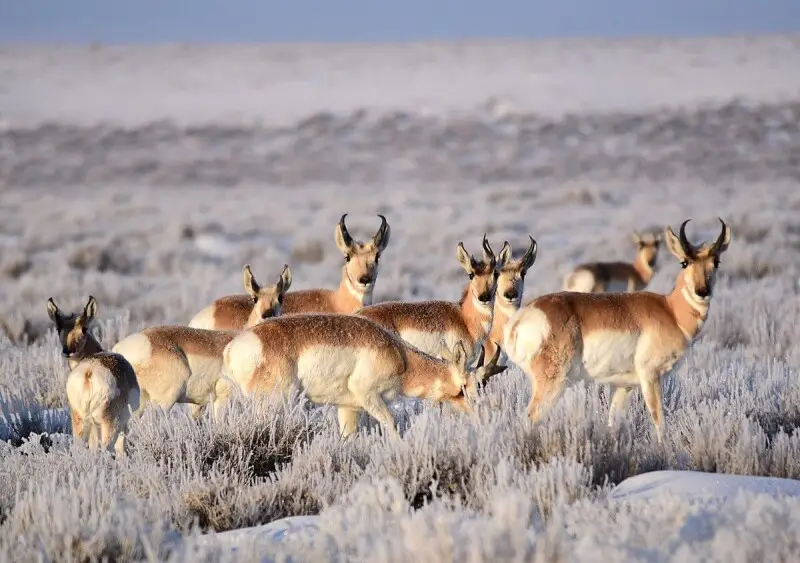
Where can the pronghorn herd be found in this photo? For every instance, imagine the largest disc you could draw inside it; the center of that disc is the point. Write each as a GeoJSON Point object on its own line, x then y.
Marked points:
{"type": "Point", "coordinates": [341, 349]}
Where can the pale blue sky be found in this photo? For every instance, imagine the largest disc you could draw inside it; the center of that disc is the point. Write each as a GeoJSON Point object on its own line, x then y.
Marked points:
{"type": "Point", "coordinates": [126, 21]}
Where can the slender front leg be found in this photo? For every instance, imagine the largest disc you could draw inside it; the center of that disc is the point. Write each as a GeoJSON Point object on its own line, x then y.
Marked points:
{"type": "Point", "coordinates": [619, 403]}
{"type": "Point", "coordinates": [348, 420]}
{"type": "Point", "coordinates": [651, 389]}
{"type": "Point", "coordinates": [376, 407]}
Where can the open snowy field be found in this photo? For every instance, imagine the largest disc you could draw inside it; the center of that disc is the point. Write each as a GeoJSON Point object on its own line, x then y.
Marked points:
{"type": "Point", "coordinates": [148, 176]}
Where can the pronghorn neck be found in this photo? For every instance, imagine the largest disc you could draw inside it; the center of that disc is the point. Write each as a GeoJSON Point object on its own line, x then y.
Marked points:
{"type": "Point", "coordinates": [477, 316]}
{"type": "Point", "coordinates": [643, 269]}
{"type": "Point", "coordinates": [349, 296]}
{"type": "Point", "coordinates": [424, 375]}
{"type": "Point", "coordinates": [689, 312]}
{"type": "Point", "coordinates": [91, 348]}
{"type": "Point", "coordinates": [503, 310]}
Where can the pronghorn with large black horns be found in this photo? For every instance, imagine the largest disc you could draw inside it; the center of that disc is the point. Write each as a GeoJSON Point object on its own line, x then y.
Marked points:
{"type": "Point", "coordinates": [102, 390]}
{"type": "Point", "coordinates": [359, 273]}
{"type": "Point", "coordinates": [350, 362]}
{"type": "Point", "coordinates": [627, 340]}
{"type": "Point", "coordinates": [433, 326]}
{"type": "Point", "coordinates": [600, 277]}
{"type": "Point", "coordinates": [510, 286]}
{"type": "Point", "coordinates": [236, 312]}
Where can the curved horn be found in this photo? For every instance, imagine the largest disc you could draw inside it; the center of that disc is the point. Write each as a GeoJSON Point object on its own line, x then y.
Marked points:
{"type": "Point", "coordinates": [721, 238]}
{"type": "Point", "coordinates": [481, 357]}
{"type": "Point", "coordinates": [487, 251]}
{"type": "Point", "coordinates": [496, 356]}
{"type": "Point", "coordinates": [380, 238]}
{"type": "Point", "coordinates": [348, 240]}
{"type": "Point", "coordinates": [530, 254]}
{"type": "Point", "coordinates": [687, 246]}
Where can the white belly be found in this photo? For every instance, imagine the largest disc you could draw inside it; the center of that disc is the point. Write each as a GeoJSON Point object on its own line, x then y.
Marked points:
{"type": "Point", "coordinates": [608, 357]}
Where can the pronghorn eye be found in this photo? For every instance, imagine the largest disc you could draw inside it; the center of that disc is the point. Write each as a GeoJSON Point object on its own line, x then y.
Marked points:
{"type": "Point", "coordinates": [716, 262]}
{"type": "Point", "coordinates": [522, 274]}
{"type": "Point", "coordinates": [684, 264]}
{"type": "Point", "coordinates": [471, 275]}
{"type": "Point", "coordinates": [377, 258]}
{"type": "Point", "coordinates": [347, 258]}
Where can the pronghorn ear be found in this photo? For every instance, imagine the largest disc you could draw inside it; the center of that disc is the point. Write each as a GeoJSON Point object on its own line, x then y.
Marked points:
{"type": "Point", "coordinates": [460, 357]}
{"type": "Point", "coordinates": [250, 285]}
{"type": "Point", "coordinates": [674, 244]}
{"type": "Point", "coordinates": [53, 312]}
{"type": "Point", "coordinates": [637, 238]}
{"type": "Point", "coordinates": [89, 311]}
{"type": "Point", "coordinates": [464, 258]}
{"type": "Point", "coordinates": [446, 353]}
{"type": "Point", "coordinates": [504, 256]}
{"type": "Point", "coordinates": [285, 281]}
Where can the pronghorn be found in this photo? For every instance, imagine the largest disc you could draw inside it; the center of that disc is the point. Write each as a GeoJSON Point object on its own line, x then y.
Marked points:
{"type": "Point", "coordinates": [236, 312]}
{"type": "Point", "coordinates": [179, 364]}
{"type": "Point", "coordinates": [350, 362]}
{"type": "Point", "coordinates": [600, 277]}
{"type": "Point", "coordinates": [510, 285]}
{"type": "Point", "coordinates": [359, 274]}
{"type": "Point", "coordinates": [624, 339]}
{"type": "Point", "coordinates": [101, 387]}
{"type": "Point", "coordinates": [433, 326]}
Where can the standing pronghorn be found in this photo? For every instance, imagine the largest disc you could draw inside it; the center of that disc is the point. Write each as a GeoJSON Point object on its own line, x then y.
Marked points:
{"type": "Point", "coordinates": [624, 339]}
{"type": "Point", "coordinates": [178, 364]}
{"type": "Point", "coordinates": [350, 362]}
{"type": "Point", "coordinates": [101, 387]}
{"type": "Point", "coordinates": [433, 326]}
{"type": "Point", "coordinates": [359, 273]}
{"type": "Point", "coordinates": [600, 277]}
{"type": "Point", "coordinates": [510, 285]}
{"type": "Point", "coordinates": [236, 312]}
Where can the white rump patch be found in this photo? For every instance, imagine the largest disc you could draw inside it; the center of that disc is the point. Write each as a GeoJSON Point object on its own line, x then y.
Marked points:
{"type": "Point", "coordinates": [581, 281]}
{"type": "Point", "coordinates": [204, 319]}
{"type": "Point", "coordinates": [135, 348]}
{"type": "Point", "coordinates": [90, 400]}
{"type": "Point", "coordinates": [242, 356]}
{"type": "Point", "coordinates": [524, 334]}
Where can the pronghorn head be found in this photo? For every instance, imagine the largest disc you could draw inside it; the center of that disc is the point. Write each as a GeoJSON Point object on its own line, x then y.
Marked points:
{"type": "Point", "coordinates": [699, 263]}
{"type": "Point", "coordinates": [361, 258]}
{"type": "Point", "coordinates": [647, 247]}
{"type": "Point", "coordinates": [482, 274]}
{"type": "Point", "coordinates": [73, 330]}
{"type": "Point", "coordinates": [267, 300]}
{"type": "Point", "coordinates": [465, 381]}
{"type": "Point", "coordinates": [511, 280]}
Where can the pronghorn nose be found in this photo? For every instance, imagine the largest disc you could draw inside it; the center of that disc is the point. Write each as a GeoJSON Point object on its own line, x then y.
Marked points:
{"type": "Point", "coordinates": [510, 294]}
{"type": "Point", "coordinates": [365, 280]}
{"type": "Point", "coordinates": [703, 291]}
{"type": "Point", "coordinates": [485, 297]}
{"type": "Point", "coordinates": [266, 314]}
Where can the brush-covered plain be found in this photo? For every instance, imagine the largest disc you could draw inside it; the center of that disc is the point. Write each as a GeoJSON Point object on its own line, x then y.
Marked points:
{"type": "Point", "coordinates": [479, 487]}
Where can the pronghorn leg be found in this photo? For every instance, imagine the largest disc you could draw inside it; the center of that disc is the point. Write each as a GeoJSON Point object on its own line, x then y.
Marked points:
{"type": "Point", "coordinates": [548, 382]}
{"type": "Point", "coordinates": [119, 445]}
{"type": "Point", "coordinates": [619, 403]}
{"type": "Point", "coordinates": [108, 431]}
{"type": "Point", "coordinates": [376, 407]}
{"type": "Point", "coordinates": [78, 427]}
{"type": "Point", "coordinates": [348, 420]}
{"type": "Point", "coordinates": [651, 389]}
{"type": "Point", "coordinates": [196, 410]}
{"type": "Point", "coordinates": [94, 435]}
{"type": "Point", "coordinates": [223, 390]}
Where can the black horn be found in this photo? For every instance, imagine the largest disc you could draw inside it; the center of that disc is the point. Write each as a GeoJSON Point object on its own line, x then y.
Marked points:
{"type": "Point", "coordinates": [721, 238]}
{"type": "Point", "coordinates": [379, 236]}
{"type": "Point", "coordinates": [687, 246]}
{"type": "Point", "coordinates": [481, 357]}
{"type": "Point", "coordinates": [348, 240]}
{"type": "Point", "coordinates": [488, 253]}
{"type": "Point", "coordinates": [530, 254]}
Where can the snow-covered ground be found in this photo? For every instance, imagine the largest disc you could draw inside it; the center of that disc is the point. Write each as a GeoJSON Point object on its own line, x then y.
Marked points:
{"type": "Point", "coordinates": [147, 176]}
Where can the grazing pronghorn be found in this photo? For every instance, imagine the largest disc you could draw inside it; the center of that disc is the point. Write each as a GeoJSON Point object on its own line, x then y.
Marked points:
{"type": "Point", "coordinates": [600, 277]}
{"type": "Point", "coordinates": [236, 312]}
{"type": "Point", "coordinates": [179, 364]}
{"type": "Point", "coordinates": [350, 362]}
{"type": "Point", "coordinates": [101, 387]}
{"type": "Point", "coordinates": [510, 285]}
{"type": "Point", "coordinates": [433, 326]}
{"type": "Point", "coordinates": [624, 339]}
{"type": "Point", "coordinates": [359, 274]}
